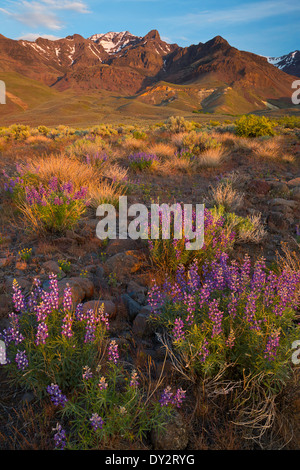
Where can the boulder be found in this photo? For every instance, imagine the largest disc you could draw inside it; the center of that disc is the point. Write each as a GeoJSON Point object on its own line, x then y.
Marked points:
{"type": "Point", "coordinates": [124, 264]}
{"type": "Point", "coordinates": [174, 437]}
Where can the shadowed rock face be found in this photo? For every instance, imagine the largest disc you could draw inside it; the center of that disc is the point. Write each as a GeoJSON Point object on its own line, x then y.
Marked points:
{"type": "Point", "coordinates": [128, 64]}
{"type": "Point", "coordinates": [289, 63]}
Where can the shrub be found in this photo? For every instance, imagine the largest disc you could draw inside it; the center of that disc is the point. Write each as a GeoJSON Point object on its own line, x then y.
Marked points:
{"type": "Point", "coordinates": [230, 317]}
{"type": "Point", "coordinates": [141, 161]}
{"type": "Point", "coordinates": [54, 207]}
{"type": "Point", "coordinates": [289, 122]}
{"type": "Point", "coordinates": [254, 126]}
{"type": "Point", "coordinates": [66, 355]}
{"type": "Point", "coordinates": [224, 194]}
{"type": "Point", "coordinates": [19, 131]}
{"type": "Point", "coordinates": [178, 124]}
{"type": "Point", "coordinates": [168, 254]}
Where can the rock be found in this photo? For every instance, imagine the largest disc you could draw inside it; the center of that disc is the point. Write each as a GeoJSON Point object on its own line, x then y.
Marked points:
{"type": "Point", "coordinates": [5, 304]}
{"type": "Point", "coordinates": [5, 261]}
{"type": "Point", "coordinates": [296, 193]}
{"type": "Point", "coordinates": [124, 264]}
{"type": "Point", "coordinates": [28, 397]}
{"type": "Point", "coordinates": [280, 187]}
{"type": "Point", "coordinates": [109, 306]}
{"type": "Point", "coordinates": [119, 246]}
{"type": "Point", "coordinates": [51, 267]}
{"type": "Point", "coordinates": [132, 306]}
{"type": "Point", "coordinates": [81, 287]}
{"type": "Point", "coordinates": [141, 326]}
{"type": "Point", "coordinates": [137, 292]}
{"type": "Point", "coordinates": [277, 221]}
{"type": "Point", "coordinates": [259, 187]}
{"type": "Point", "coordinates": [174, 437]}
{"type": "Point", "coordinates": [278, 201]}
{"type": "Point", "coordinates": [74, 236]}
{"type": "Point", "coordinates": [294, 182]}
{"type": "Point", "coordinates": [21, 265]}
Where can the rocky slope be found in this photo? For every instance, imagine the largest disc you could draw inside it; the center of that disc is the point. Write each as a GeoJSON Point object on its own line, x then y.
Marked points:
{"type": "Point", "coordinates": [222, 77]}
{"type": "Point", "coordinates": [289, 63]}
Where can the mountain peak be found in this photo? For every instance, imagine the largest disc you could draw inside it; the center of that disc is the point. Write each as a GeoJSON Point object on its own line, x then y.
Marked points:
{"type": "Point", "coordinates": [153, 34]}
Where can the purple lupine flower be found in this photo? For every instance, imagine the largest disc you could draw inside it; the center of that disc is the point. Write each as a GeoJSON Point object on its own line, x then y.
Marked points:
{"type": "Point", "coordinates": [67, 299]}
{"type": "Point", "coordinates": [166, 397]}
{"type": "Point", "coordinates": [59, 437]}
{"type": "Point", "coordinates": [270, 351]}
{"type": "Point", "coordinates": [21, 360]}
{"type": "Point", "coordinates": [18, 297]}
{"type": "Point", "coordinates": [102, 384]}
{"type": "Point", "coordinates": [113, 354]}
{"type": "Point", "coordinates": [79, 315]}
{"type": "Point", "coordinates": [204, 351]}
{"type": "Point", "coordinates": [96, 421]}
{"type": "Point", "coordinates": [134, 382]}
{"type": "Point", "coordinates": [216, 316]}
{"type": "Point", "coordinates": [66, 329]}
{"type": "Point", "coordinates": [178, 332]}
{"type": "Point", "coordinates": [178, 397]}
{"type": "Point", "coordinates": [54, 293]}
{"type": "Point", "coordinates": [91, 324]}
{"type": "Point", "coordinates": [87, 373]}
{"type": "Point", "coordinates": [12, 333]}
{"type": "Point", "coordinates": [42, 333]}
{"type": "Point", "coordinates": [56, 395]}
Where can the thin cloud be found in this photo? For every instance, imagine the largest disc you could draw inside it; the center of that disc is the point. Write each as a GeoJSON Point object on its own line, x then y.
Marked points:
{"type": "Point", "coordinates": [243, 14]}
{"type": "Point", "coordinates": [43, 13]}
{"type": "Point", "coordinates": [34, 36]}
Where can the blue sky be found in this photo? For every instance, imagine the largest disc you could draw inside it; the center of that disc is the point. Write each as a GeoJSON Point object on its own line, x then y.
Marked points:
{"type": "Point", "coordinates": [268, 27]}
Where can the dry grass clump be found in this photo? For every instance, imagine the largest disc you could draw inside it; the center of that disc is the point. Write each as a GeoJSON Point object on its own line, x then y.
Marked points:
{"type": "Point", "coordinates": [254, 232]}
{"type": "Point", "coordinates": [37, 139]}
{"type": "Point", "coordinates": [132, 144]}
{"type": "Point", "coordinates": [212, 157]}
{"type": "Point", "coordinates": [114, 171]}
{"type": "Point", "coordinates": [224, 194]}
{"type": "Point", "coordinates": [245, 144]}
{"type": "Point", "coordinates": [270, 149]}
{"type": "Point", "coordinates": [105, 193]}
{"type": "Point", "coordinates": [176, 164]}
{"type": "Point", "coordinates": [64, 169]}
{"type": "Point", "coordinates": [81, 175]}
{"type": "Point", "coordinates": [85, 147]}
{"type": "Point", "coordinates": [176, 139]}
{"type": "Point", "coordinates": [162, 150]}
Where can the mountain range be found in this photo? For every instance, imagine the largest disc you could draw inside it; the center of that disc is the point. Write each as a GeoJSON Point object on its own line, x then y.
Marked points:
{"type": "Point", "coordinates": [127, 74]}
{"type": "Point", "coordinates": [289, 63]}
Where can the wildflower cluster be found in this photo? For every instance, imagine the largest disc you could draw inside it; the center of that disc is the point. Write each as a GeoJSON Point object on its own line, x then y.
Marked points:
{"type": "Point", "coordinates": [142, 161]}
{"type": "Point", "coordinates": [55, 340]}
{"type": "Point", "coordinates": [169, 254]}
{"type": "Point", "coordinates": [54, 206]}
{"type": "Point", "coordinates": [230, 313]}
{"type": "Point", "coordinates": [25, 254]}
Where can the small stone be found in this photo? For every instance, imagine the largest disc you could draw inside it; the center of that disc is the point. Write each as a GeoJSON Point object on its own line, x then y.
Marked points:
{"type": "Point", "coordinates": [294, 182]}
{"type": "Point", "coordinates": [119, 246]}
{"type": "Point", "coordinates": [174, 437]}
{"type": "Point", "coordinates": [296, 193]}
{"type": "Point", "coordinates": [21, 265]}
{"type": "Point", "coordinates": [259, 187]}
{"type": "Point", "coordinates": [141, 326]}
{"type": "Point", "coordinates": [51, 267]}
{"type": "Point", "coordinates": [5, 262]}
{"type": "Point", "coordinates": [124, 264]}
{"type": "Point", "coordinates": [284, 202]}
{"type": "Point", "coordinates": [109, 306]}
{"type": "Point", "coordinates": [277, 221]}
{"type": "Point", "coordinates": [132, 306]}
